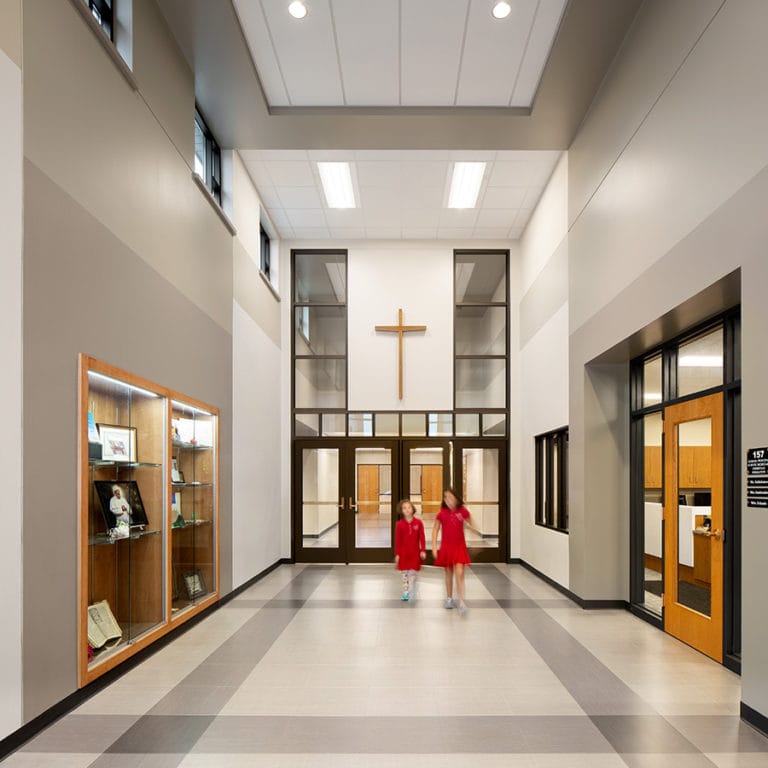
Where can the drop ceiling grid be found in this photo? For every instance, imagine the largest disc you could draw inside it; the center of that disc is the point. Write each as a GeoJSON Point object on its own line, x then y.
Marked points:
{"type": "Point", "coordinates": [406, 53]}
{"type": "Point", "coordinates": [402, 194]}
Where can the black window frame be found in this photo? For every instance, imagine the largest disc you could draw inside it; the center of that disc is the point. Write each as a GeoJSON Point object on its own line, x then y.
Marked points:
{"type": "Point", "coordinates": [552, 511]}
{"type": "Point", "coordinates": [104, 13]}
{"type": "Point", "coordinates": [265, 244]}
{"type": "Point", "coordinates": [212, 164]}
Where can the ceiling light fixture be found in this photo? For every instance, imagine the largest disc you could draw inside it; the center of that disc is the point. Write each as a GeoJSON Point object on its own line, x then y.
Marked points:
{"type": "Point", "coordinates": [337, 185]}
{"type": "Point", "coordinates": [501, 10]}
{"type": "Point", "coordinates": [298, 10]}
{"type": "Point", "coordinates": [465, 184]}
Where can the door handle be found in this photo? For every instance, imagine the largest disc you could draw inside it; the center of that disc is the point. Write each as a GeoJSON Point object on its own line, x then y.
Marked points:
{"type": "Point", "coordinates": [352, 507]}
{"type": "Point", "coordinates": [718, 533]}
{"type": "Point", "coordinates": [341, 504]}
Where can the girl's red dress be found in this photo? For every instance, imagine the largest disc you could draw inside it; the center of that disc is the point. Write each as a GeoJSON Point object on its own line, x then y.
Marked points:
{"type": "Point", "coordinates": [409, 542]}
{"type": "Point", "coordinates": [453, 547]}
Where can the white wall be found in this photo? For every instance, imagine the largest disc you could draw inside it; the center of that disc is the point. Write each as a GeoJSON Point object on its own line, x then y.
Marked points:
{"type": "Point", "coordinates": [10, 389]}
{"type": "Point", "coordinates": [383, 277]}
{"type": "Point", "coordinates": [257, 508]}
{"type": "Point", "coordinates": [543, 394]}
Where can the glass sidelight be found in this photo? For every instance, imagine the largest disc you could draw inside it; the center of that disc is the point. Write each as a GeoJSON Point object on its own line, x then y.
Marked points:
{"type": "Point", "coordinates": [480, 490]}
{"type": "Point", "coordinates": [320, 497]}
{"type": "Point", "coordinates": [373, 495]}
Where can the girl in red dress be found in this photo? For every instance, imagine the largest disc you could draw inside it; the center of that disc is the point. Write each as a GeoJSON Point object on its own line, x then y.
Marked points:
{"type": "Point", "coordinates": [410, 546]}
{"type": "Point", "coordinates": [453, 555]}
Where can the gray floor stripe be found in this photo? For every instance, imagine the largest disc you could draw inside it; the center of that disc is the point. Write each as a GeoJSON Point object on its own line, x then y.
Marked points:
{"type": "Point", "coordinates": [173, 726]}
{"type": "Point", "coordinates": [627, 722]}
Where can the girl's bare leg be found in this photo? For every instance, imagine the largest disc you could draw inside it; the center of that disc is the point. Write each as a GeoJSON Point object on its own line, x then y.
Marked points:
{"type": "Point", "coordinates": [459, 568]}
{"type": "Point", "coordinates": [449, 582]}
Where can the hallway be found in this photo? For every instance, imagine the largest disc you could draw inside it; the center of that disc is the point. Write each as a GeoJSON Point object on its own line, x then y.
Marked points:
{"type": "Point", "coordinates": [324, 666]}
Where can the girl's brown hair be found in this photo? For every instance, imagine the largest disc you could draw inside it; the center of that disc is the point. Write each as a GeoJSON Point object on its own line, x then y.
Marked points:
{"type": "Point", "coordinates": [400, 506]}
{"type": "Point", "coordinates": [450, 489]}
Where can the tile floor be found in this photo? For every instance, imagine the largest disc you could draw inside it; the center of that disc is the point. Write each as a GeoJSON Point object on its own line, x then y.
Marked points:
{"type": "Point", "coordinates": [325, 666]}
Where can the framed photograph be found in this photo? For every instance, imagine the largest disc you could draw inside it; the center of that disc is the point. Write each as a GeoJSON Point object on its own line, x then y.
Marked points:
{"type": "Point", "coordinates": [118, 443]}
{"type": "Point", "coordinates": [194, 584]}
{"type": "Point", "coordinates": [175, 474]}
{"type": "Point", "coordinates": [121, 502]}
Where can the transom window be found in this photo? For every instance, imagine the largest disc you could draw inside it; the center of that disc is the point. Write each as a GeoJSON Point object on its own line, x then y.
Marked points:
{"type": "Point", "coordinates": [103, 12]}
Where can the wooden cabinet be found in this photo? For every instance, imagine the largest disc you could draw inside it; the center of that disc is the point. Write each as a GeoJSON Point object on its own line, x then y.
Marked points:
{"type": "Point", "coordinates": [141, 570]}
{"type": "Point", "coordinates": [695, 466]}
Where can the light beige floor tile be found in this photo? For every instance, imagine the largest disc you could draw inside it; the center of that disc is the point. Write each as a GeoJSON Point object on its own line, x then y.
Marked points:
{"type": "Point", "coordinates": [48, 760]}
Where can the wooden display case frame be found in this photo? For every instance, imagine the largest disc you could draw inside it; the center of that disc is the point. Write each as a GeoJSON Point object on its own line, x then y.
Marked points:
{"type": "Point", "coordinates": [169, 620]}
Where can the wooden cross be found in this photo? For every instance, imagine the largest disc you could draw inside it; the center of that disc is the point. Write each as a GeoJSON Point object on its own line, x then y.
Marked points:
{"type": "Point", "coordinates": [400, 329]}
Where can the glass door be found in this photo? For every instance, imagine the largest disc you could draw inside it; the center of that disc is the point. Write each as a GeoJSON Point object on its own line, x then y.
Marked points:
{"type": "Point", "coordinates": [481, 478]}
{"type": "Point", "coordinates": [343, 492]}
{"type": "Point", "coordinates": [426, 473]}
{"type": "Point", "coordinates": [694, 535]}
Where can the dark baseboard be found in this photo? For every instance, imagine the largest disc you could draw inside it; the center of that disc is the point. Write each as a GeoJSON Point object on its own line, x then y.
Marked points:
{"type": "Point", "coordinates": [587, 605]}
{"type": "Point", "coordinates": [754, 718]}
{"type": "Point", "coordinates": [29, 730]}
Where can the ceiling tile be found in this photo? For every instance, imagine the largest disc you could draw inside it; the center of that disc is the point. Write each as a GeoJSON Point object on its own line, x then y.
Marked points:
{"type": "Point", "coordinates": [522, 217]}
{"type": "Point", "coordinates": [311, 233]}
{"type": "Point", "coordinates": [495, 218]}
{"type": "Point", "coordinates": [545, 27]}
{"type": "Point", "coordinates": [348, 233]}
{"type": "Point", "coordinates": [515, 232]}
{"type": "Point", "coordinates": [503, 197]}
{"type": "Point", "coordinates": [331, 155]}
{"type": "Point", "coordinates": [300, 197]}
{"type": "Point", "coordinates": [422, 197]}
{"type": "Point", "coordinates": [306, 53]}
{"type": "Point", "coordinates": [378, 174]}
{"type": "Point", "coordinates": [344, 217]}
{"type": "Point", "coordinates": [493, 51]}
{"type": "Point", "coordinates": [262, 52]}
{"type": "Point", "coordinates": [286, 233]}
{"type": "Point", "coordinates": [532, 196]}
{"type": "Point", "coordinates": [458, 217]}
{"type": "Point", "coordinates": [454, 233]}
{"type": "Point", "coordinates": [420, 217]}
{"type": "Point", "coordinates": [510, 174]}
{"type": "Point", "coordinates": [303, 218]}
{"type": "Point", "coordinates": [368, 44]}
{"type": "Point", "coordinates": [258, 173]}
{"type": "Point", "coordinates": [491, 233]}
{"type": "Point", "coordinates": [291, 173]}
{"type": "Point", "coordinates": [423, 174]}
{"type": "Point", "coordinates": [419, 233]}
{"type": "Point", "coordinates": [432, 32]}
{"type": "Point", "coordinates": [278, 217]}
{"type": "Point", "coordinates": [381, 217]}
{"type": "Point", "coordinates": [372, 198]}
{"type": "Point", "coordinates": [269, 197]}
{"type": "Point", "coordinates": [383, 233]}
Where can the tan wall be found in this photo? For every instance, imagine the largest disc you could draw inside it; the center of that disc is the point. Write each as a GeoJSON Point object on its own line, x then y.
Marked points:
{"type": "Point", "coordinates": [124, 259]}
{"type": "Point", "coordinates": [10, 30]}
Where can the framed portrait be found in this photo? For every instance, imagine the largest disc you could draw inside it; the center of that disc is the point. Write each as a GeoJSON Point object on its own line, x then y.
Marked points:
{"type": "Point", "coordinates": [194, 584]}
{"type": "Point", "coordinates": [121, 501]}
{"type": "Point", "coordinates": [118, 443]}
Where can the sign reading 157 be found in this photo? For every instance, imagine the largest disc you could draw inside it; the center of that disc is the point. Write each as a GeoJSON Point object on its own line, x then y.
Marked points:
{"type": "Point", "coordinates": [758, 453]}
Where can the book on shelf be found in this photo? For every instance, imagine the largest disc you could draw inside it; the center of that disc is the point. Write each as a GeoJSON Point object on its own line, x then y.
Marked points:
{"type": "Point", "coordinates": [103, 629]}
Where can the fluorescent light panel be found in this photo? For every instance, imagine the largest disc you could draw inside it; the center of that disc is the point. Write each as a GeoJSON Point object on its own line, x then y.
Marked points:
{"type": "Point", "coordinates": [337, 185]}
{"type": "Point", "coordinates": [465, 184]}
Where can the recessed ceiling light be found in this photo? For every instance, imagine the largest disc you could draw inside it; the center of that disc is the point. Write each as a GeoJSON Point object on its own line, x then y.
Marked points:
{"type": "Point", "coordinates": [501, 10]}
{"type": "Point", "coordinates": [465, 184]}
{"type": "Point", "coordinates": [298, 10]}
{"type": "Point", "coordinates": [337, 185]}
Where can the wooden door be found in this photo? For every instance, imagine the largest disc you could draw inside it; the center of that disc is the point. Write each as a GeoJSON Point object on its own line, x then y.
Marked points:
{"type": "Point", "coordinates": [431, 487]}
{"type": "Point", "coordinates": [368, 488]}
{"type": "Point", "coordinates": [693, 523]}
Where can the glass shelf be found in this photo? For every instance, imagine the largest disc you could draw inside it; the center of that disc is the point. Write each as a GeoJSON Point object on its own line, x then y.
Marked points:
{"type": "Point", "coordinates": [192, 485]}
{"type": "Point", "coordinates": [191, 524]}
{"type": "Point", "coordinates": [130, 464]}
{"type": "Point", "coordinates": [102, 539]}
{"type": "Point", "coordinates": [191, 446]}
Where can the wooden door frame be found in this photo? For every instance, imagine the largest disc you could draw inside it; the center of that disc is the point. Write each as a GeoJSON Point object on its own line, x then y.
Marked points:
{"type": "Point", "coordinates": [701, 632]}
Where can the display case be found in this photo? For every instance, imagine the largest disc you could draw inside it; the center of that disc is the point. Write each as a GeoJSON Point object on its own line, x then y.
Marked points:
{"type": "Point", "coordinates": [148, 513]}
{"type": "Point", "coordinates": [193, 504]}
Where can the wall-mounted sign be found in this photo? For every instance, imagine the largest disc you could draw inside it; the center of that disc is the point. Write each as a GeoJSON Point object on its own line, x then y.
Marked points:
{"type": "Point", "coordinates": [757, 477]}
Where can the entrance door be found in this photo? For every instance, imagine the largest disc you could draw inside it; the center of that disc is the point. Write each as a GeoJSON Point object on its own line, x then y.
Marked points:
{"type": "Point", "coordinates": [693, 523]}
{"type": "Point", "coordinates": [343, 500]}
{"type": "Point", "coordinates": [481, 469]}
